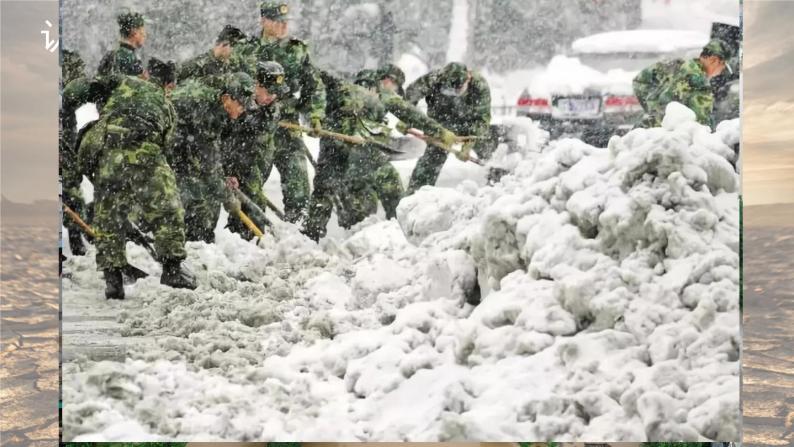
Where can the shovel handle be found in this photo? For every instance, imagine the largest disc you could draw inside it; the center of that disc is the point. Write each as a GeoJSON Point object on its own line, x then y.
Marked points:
{"type": "Point", "coordinates": [339, 136]}
{"type": "Point", "coordinates": [249, 223]}
{"type": "Point", "coordinates": [80, 222]}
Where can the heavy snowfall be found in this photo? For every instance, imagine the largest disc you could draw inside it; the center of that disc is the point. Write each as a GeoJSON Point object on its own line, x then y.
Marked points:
{"type": "Point", "coordinates": [592, 293]}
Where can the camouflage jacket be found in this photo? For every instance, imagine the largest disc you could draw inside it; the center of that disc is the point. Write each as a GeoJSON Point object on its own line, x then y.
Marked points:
{"type": "Point", "coordinates": [352, 109]}
{"type": "Point", "coordinates": [123, 60]}
{"type": "Point", "coordinates": [300, 73]}
{"type": "Point", "coordinates": [139, 111]}
{"type": "Point", "coordinates": [468, 114]}
{"type": "Point", "coordinates": [76, 93]}
{"type": "Point", "coordinates": [248, 140]}
{"type": "Point", "coordinates": [200, 122]}
{"type": "Point", "coordinates": [409, 114]}
{"type": "Point", "coordinates": [357, 111]}
{"type": "Point", "coordinates": [206, 64]}
{"type": "Point", "coordinates": [676, 80]}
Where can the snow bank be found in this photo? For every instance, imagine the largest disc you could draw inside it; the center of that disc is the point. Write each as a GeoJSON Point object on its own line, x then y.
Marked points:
{"type": "Point", "coordinates": [608, 282]}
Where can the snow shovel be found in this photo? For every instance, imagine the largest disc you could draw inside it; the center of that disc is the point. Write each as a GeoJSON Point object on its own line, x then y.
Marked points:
{"type": "Point", "coordinates": [254, 210]}
{"type": "Point", "coordinates": [129, 271]}
{"type": "Point", "coordinates": [233, 204]}
{"type": "Point", "coordinates": [406, 148]}
{"type": "Point", "coordinates": [250, 224]}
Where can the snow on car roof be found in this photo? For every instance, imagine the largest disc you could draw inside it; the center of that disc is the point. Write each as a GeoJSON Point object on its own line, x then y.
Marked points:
{"type": "Point", "coordinates": [640, 41]}
{"type": "Point", "coordinates": [568, 76]}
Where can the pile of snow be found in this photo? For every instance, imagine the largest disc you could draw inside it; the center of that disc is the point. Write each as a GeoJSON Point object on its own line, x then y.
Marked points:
{"type": "Point", "coordinates": [640, 41]}
{"type": "Point", "coordinates": [608, 282]}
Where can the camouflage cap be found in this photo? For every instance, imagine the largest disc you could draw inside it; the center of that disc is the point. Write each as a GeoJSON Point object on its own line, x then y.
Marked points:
{"type": "Point", "coordinates": [129, 21]}
{"type": "Point", "coordinates": [367, 78]}
{"type": "Point", "coordinates": [239, 86]}
{"type": "Point", "coordinates": [161, 72]}
{"type": "Point", "coordinates": [230, 34]}
{"type": "Point", "coordinates": [274, 10]}
{"type": "Point", "coordinates": [393, 72]}
{"type": "Point", "coordinates": [717, 47]}
{"type": "Point", "coordinates": [270, 74]}
{"type": "Point", "coordinates": [454, 74]}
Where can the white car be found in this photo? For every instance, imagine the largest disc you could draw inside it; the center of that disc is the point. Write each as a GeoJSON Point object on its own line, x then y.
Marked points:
{"type": "Point", "coordinates": [588, 93]}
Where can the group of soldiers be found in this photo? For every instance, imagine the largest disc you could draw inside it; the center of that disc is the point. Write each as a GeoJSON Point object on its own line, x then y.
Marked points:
{"type": "Point", "coordinates": [174, 144]}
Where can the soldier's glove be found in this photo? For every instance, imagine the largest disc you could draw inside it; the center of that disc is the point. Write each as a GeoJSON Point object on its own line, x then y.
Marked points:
{"type": "Point", "coordinates": [317, 126]}
{"type": "Point", "coordinates": [448, 138]}
{"type": "Point", "coordinates": [232, 183]}
{"type": "Point", "coordinates": [401, 127]}
{"type": "Point", "coordinates": [231, 203]}
{"type": "Point", "coordinates": [464, 154]}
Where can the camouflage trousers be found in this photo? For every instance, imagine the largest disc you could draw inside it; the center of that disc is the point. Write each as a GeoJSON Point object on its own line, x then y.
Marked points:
{"type": "Point", "coordinates": [328, 187]}
{"type": "Point", "coordinates": [71, 178]}
{"type": "Point", "coordinates": [429, 165]}
{"type": "Point", "coordinates": [202, 197]}
{"type": "Point", "coordinates": [288, 155]}
{"type": "Point", "coordinates": [134, 178]}
{"type": "Point", "coordinates": [91, 141]}
{"type": "Point", "coordinates": [371, 177]}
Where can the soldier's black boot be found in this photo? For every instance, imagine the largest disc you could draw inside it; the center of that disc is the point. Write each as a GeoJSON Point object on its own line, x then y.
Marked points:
{"type": "Point", "coordinates": [114, 284]}
{"type": "Point", "coordinates": [132, 274]}
{"type": "Point", "coordinates": [176, 276]}
{"type": "Point", "coordinates": [76, 243]}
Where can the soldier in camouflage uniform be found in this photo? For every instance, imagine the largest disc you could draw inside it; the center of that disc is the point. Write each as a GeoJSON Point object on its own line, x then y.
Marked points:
{"type": "Point", "coordinates": [202, 114]}
{"type": "Point", "coordinates": [331, 164]}
{"type": "Point", "coordinates": [360, 175]}
{"type": "Point", "coordinates": [124, 59]}
{"type": "Point", "coordinates": [460, 99]}
{"type": "Point", "coordinates": [684, 81]}
{"type": "Point", "coordinates": [215, 61]}
{"type": "Point", "coordinates": [72, 67]}
{"type": "Point", "coordinates": [307, 97]}
{"type": "Point", "coordinates": [133, 175]}
{"type": "Point", "coordinates": [250, 143]}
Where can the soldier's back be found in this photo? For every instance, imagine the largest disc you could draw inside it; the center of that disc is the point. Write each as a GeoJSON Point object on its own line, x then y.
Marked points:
{"type": "Point", "coordinates": [356, 103]}
{"type": "Point", "coordinates": [200, 122]}
{"type": "Point", "coordinates": [141, 107]}
{"type": "Point", "coordinates": [457, 112]}
{"type": "Point", "coordinates": [121, 60]}
{"type": "Point", "coordinates": [206, 64]}
{"type": "Point", "coordinates": [194, 100]}
{"type": "Point", "coordinates": [667, 81]}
